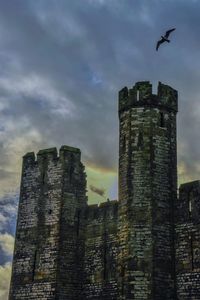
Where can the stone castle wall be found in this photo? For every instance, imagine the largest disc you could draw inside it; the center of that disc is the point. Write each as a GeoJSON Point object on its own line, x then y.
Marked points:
{"type": "Point", "coordinates": [143, 247]}
{"type": "Point", "coordinates": [64, 248]}
{"type": "Point", "coordinates": [188, 241]}
{"type": "Point", "coordinates": [147, 191]}
{"type": "Point", "coordinates": [101, 249]}
{"type": "Point", "coordinates": [52, 193]}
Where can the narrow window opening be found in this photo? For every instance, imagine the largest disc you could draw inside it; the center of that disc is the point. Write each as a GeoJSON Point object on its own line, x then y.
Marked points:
{"type": "Point", "coordinates": [122, 275]}
{"type": "Point", "coordinates": [192, 254]}
{"type": "Point", "coordinates": [124, 143]}
{"type": "Point", "coordinates": [78, 222]}
{"type": "Point", "coordinates": [138, 95]}
{"type": "Point", "coordinates": [71, 171]}
{"type": "Point", "coordinates": [43, 177]}
{"type": "Point", "coordinates": [50, 211]}
{"type": "Point", "coordinates": [140, 140]}
{"type": "Point", "coordinates": [190, 204]}
{"type": "Point", "coordinates": [105, 264]}
{"type": "Point", "coordinates": [196, 258]}
{"type": "Point", "coordinates": [105, 258]}
{"type": "Point", "coordinates": [34, 264]}
{"type": "Point", "coordinates": [162, 120]}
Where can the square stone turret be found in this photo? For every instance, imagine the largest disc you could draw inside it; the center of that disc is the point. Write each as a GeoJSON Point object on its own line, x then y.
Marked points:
{"type": "Point", "coordinates": [141, 95]}
{"type": "Point", "coordinates": [53, 191]}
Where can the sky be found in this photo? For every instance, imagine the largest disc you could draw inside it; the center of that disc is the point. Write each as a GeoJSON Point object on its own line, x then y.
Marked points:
{"type": "Point", "coordinates": [62, 63]}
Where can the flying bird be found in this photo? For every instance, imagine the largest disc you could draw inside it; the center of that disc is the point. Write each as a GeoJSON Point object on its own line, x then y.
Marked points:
{"type": "Point", "coordinates": [164, 38]}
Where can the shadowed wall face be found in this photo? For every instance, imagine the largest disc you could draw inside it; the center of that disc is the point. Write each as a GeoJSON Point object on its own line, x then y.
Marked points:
{"type": "Point", "coordinates": [147, 191]}
{"type": "Point", "coordinates": [188, 241]}
{"type": "Point", "coordinates": [101, 249]}
{"type": "Point", "coordinates": [52, 191]}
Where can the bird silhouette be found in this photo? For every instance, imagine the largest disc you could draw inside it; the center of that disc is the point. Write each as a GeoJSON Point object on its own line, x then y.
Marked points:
{"type": "Point", "coordinates": [164, 38]}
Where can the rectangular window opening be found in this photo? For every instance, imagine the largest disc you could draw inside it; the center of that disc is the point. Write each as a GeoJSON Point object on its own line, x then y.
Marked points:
{"type": "Point", "coordinates": [190, 203]}
{"type": "Point", "coordinates": [124, 143]}
{"type": "Point", "coordinates": [43, 177]}
{"type": "Point", "coordinates": [78, 222]}
{"type": "Point", "coordinates": [140, 143]}
{"type": "Point", "coordinates": [105, 270]}
{"type": "Point", "coordinates": [190, 206]}
{"type": "Point", "coordinates": [162, 120]}
{"type": "Point", "coordinates": [138, 95]}
{"type": "Point", "coordinates": [71, 172]}
{"type": "Point", "coordinates": [34, 264]}
{"type": "Point", "coordinates": [191, 249]}
{"type": "Point", "coordinates": [122, 275]}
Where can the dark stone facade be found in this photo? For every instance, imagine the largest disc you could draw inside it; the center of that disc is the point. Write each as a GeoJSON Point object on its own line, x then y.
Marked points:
{"type": "Point", "coordinates": [188, 241]}
{"type": "Point", "coordinates": [147, 191]}
{"type": "Point", "coordinates": [146, 246]}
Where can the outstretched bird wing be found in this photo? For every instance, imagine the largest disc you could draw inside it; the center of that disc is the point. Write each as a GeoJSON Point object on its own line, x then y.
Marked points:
{"type": "Point", "coordinates": [168, 32]}
{"type": "Point", "coordinates": [159, 43]}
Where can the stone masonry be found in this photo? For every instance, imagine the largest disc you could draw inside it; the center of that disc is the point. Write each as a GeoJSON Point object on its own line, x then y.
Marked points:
{"type": "Point", "coordinates": [145, 246]}
{"type": "Point", "coordinates": [188, 241]}
{"type": "Point", "coordinates": [147, 191]}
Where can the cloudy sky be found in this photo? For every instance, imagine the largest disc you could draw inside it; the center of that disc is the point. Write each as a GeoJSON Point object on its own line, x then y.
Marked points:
{"type": "Point", "coordinates": [62, 63]}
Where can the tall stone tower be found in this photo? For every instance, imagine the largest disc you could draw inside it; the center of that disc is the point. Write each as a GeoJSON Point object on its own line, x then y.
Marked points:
{"type": "Point", "coordinates": [188, 241]}
{"type": "Point", "coordinates": [49, 227]}
{"type": "Point", "coordinates": [147, 192]}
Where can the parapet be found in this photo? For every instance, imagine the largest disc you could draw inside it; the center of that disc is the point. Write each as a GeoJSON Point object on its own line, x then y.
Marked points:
{"type": "Point", "coordinates": [70, 149]}
{"type": "Point", "coordinates": [106, 210]}
{"type": "Point", "coordinates": [52, 154]}
{"type": "Point", "coordinates": [188, 186]}
{"type": "Point", "coordinates": [188, 203]}
{"type": "Point", "coordinates": [47, 153]}
{"type": "Point", "coordinates": [141, 95]}
{"type": "Point", "coordinates": [29, 157]}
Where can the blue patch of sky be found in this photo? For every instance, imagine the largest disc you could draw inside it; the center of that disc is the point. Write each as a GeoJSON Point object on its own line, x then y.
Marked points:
{"type": "Point", "coordinates": [8, 215]}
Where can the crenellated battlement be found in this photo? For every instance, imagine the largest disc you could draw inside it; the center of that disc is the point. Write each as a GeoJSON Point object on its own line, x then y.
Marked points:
{"type": "Point", "coordinates": [141, 95]}
{"type": "Point", "coordinates": [103, 211]}
{"type": "Point", "coordinates": [50, 225]}
{"type": "Point", "coordinates": [51, 154]}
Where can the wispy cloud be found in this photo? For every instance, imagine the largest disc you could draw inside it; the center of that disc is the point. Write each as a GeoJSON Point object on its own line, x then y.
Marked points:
{"type": "Point", "coordinates": [5, 273]}
{"type": "Point", "coordinates": [62, 64]}
{"type": "Point", "coordinates": [8, 213]}
{"type": "Point", "coordinates": [7, 243]}
{"type": "Point", "coordinates": [51, 94]}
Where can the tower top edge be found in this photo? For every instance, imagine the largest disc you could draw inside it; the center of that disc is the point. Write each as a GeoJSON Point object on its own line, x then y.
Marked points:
{"type": "Point", "coordinates": [189, 185]}
{"type": "Point", "coordinates": [52, 153]}
{"type": "Point", "coordinates": [141, 95]}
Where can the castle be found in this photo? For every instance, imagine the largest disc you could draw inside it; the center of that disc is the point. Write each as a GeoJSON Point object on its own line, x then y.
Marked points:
{"type": "Point", "coordinates": [145, 246]}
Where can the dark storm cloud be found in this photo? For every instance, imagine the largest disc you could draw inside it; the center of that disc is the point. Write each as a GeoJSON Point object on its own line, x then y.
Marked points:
{"type": "Point", "coordinates": [59, 56]}
{"type": "Point", "coordinates": [8, 212]}
{"type": "Point", "coordinates": [62, 63]}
